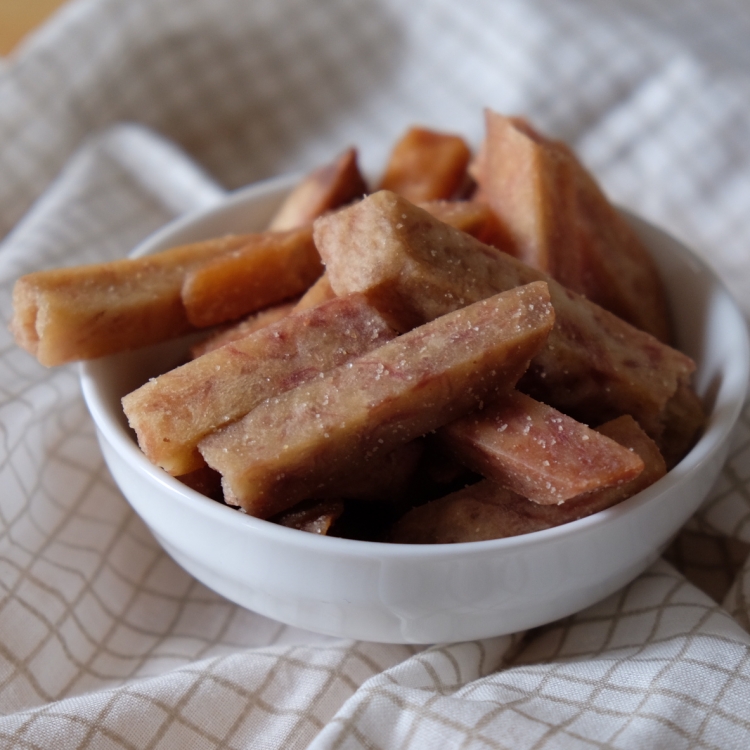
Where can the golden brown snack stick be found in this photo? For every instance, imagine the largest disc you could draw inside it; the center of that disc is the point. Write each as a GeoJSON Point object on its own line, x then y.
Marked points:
{"type": "Point", "coordinates": [245, 327]}
{"type": "Point", "coordinates": [426, 165]}
{"type": "Point", "coordinates": [563, 224]}
{"type": "Point", "coordinates": [324, 189]}
{"type": "Point", "coordinates": [474, 218]}
{"type": "Point", "coordinates": [414, 268]}
{"type": "Point", "coordinates": [269, 268]}
{"type": "Point", "coordinates": [538, 451]}
{"type": "Point", "coordinates": [294, 446]}
{"type": "Point", "coordinates": [320, 291]}
{"type": "Point", "coordinates": [66, 314]}
{"type": "Point", "coordinates": [488, 511]}
{"type": "Point", "coordinates": [171, 413]}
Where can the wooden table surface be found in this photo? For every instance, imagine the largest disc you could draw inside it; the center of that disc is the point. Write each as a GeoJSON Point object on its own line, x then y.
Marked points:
{"type": "Point", "coordinates": [18, 17]}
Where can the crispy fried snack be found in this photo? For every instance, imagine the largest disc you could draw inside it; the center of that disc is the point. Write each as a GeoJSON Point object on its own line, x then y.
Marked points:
{"type": "Point", "coordinates": [292, 447]}
{"type": "Point", "coordinates": [537, 451]}
{"type": "Point", "coordinates": [324, 189]}
{"type": "Point", "coordinates": [84, 312]}
{"type": "Point", "coordinates": [171, 413]}
{"type": "Point", "coordinates": [488, 511]}
{"type": "Point", "coordinates": [414, 268]}
{"type": "Point", "coordinates": [269, 268]}
{"type": "Point", "coordinates": [474, 218]}
{"type": "Point", "coordinates": [245, 327]}
{"type": "Point", "coordinates": [426, 166]}
{"type": "Point", "coordinates": [563, 224]}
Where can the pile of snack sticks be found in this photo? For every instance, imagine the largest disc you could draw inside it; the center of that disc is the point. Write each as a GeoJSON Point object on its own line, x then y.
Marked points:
{"type": "Point", "coordinates": [477, 348]}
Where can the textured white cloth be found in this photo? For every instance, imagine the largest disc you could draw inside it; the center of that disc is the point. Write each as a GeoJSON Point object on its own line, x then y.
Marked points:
{"type": "Point", "coordinates": [119, 115]}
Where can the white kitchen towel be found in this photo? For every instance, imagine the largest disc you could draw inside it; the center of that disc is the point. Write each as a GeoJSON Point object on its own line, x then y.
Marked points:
{"type": "Point", "coordinates": [119, 115]}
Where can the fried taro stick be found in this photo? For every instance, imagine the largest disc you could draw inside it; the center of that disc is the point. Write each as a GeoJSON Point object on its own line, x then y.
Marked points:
{"type": "Point", "coordinates": [426, 165]}
{"type": "Point", "coordinates": [66, 314]}
{"type": "Point", "coordinates": [488, 511]}
{"type": "Point", "coordinates": [537, 451]}
{"type": "Point", "coordinates": [563, 224]}
{"type": "Point", "coordinates": [474, 218]}
{"type": "Point", "coordinates": [236, 331]}
{"type": "Point", "coordinates": [269, 268]}
{"type": "Point", "coordinates": [294, 446]}
{"type": "Point", "coordinates": [324, 189]}
{"type": "Point", "coordinates": [414, 268]}
{"type": "Point", "coordinates": [171, 413]}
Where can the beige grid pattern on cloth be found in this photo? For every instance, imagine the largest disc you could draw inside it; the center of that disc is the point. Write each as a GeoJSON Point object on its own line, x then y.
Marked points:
{"type": "Point", "coordinates": [119, 115]}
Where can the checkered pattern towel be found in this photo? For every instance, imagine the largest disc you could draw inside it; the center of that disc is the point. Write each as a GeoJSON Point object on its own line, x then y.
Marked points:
{"type": "Point", "coordinates": [120, 114]}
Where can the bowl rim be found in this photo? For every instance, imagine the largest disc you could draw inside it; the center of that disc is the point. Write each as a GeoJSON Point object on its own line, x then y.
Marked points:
{"type": "Point", "coordinates": [729, 400]}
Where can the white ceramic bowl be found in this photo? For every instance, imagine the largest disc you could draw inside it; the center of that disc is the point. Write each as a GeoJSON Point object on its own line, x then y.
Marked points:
{"type": "Point", "coordinates": [424, 594]}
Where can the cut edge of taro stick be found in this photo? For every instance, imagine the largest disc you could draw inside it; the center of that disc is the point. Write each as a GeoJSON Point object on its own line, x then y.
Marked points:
{"type": "Point", "coordinates": [324, 189]}
{"type": "Point", "coordinates": [537, 451]}
{"type": "Point", "coordinates": [67, 314]}
{"type": "Point", "coordinates": [414, 268]}
{"type": "Point", "coordinates": [170, 414]}
{"type": "Point", "coordinates": [562, 223]}
{"type": "Point", "coordinates": [294, 446]}
{"type": "Point", "coordinates": [486, 510]}
{"type": "Point", "coordinates": [269, 268]}
{"type": "Point", "coordinates": [427, 165]}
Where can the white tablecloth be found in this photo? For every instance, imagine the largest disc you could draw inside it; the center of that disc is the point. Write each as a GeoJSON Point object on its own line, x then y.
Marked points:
{"type": "Point", "coordinates": [120, 114]}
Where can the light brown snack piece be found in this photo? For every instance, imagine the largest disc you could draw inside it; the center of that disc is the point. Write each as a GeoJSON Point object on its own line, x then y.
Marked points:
{"type": "Point", "coordinates": [537, 451]}
{"type": "Point", "coordinates": [488, 511]}
{"type": "Point", "coordinates": [245, 327]}
{"type": "Point", "coordinates": [269, 268]}
{"type": "Point", "coordinates": [324, 189]}
{"type": "Point", "coordinates": [67, 314]}
{"type": "Point", "coordinates": [294, 446]}
{"type": "Point", "coordinates": [474, 218]}
{"type": "Point", "coordinates": [563, 224]}
{"type": "Point", "coordinates": [426, 165]}
{"type": "Point", "coordinates": [414, 268]}
{"type": "Point", "coordinates": [171, 413]}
